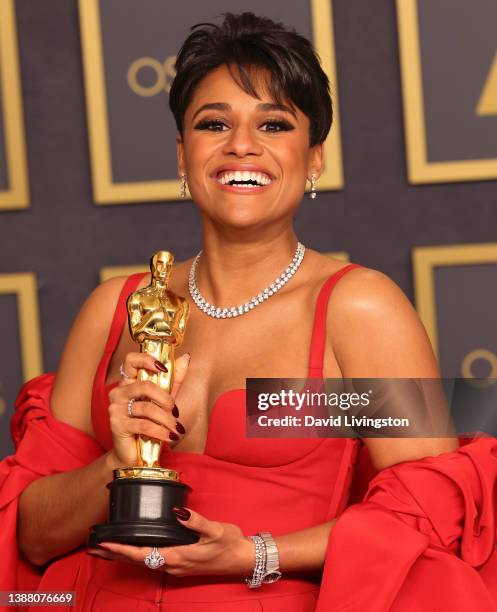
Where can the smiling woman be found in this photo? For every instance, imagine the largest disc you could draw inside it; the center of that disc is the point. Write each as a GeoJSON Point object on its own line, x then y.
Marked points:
{"type": "Point", "coordinates": [253, 108]}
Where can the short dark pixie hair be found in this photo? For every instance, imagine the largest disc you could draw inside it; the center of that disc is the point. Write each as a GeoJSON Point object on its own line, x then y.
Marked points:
{"type": "Point", "coordinates": [246, 41]}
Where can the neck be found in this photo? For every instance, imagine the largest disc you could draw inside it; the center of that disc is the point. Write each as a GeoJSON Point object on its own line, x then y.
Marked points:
{"type": "Point", "coordinates": [160, 283]}
{"type": "Point", "coordinates": [231, 272]}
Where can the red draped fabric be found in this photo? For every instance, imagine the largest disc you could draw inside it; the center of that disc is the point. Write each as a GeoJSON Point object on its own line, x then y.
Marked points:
{"type": "Point", "coordinates": [422, 538]}
{"type": "Point", "coordinates": [48, 447]}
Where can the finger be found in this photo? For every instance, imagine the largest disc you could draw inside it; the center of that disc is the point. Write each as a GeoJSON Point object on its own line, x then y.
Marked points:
{"type": "Point", "coordinates": [144, 427]}
{"type": "Point", "coordinates": [156, 414]}
{"type": "Point", "coordinates": [103, 554]}
{"type": "Point", "coordinates": [180, 369]}
{"type": "Point", "coordinates": [134, 554]}
{"type": "Point", "coordinates": [111, 556]}
{"type": "Point", "coordinates": [135, 361]}
{"type": "Point", "coordinates": [197, 522]}
{"type": "Point", "coordinates": [142, 389]}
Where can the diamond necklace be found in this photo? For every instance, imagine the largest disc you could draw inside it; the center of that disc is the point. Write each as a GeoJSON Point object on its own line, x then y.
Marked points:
{"type": "Point", "coordinates": [236, 311]}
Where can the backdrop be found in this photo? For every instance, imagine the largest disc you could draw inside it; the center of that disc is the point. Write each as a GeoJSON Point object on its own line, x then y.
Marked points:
{"type": "Point", "coordinates": [87, 157]}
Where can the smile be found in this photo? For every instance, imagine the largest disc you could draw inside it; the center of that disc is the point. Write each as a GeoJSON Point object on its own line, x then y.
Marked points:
{"type": "Point", "coordinates": [244, 179]}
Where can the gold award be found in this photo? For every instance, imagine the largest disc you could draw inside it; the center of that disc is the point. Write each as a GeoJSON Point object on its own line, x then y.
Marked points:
{"type": "Point", "coordinates": [142, 496]}
{"type": "Point", "coordinates": [157, 321]}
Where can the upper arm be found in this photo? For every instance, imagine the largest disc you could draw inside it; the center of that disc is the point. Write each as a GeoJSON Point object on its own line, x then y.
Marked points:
{"type": "Point", "coordinates": [71, 396]}
{"type": "Point", "coordinates": [378, 334]}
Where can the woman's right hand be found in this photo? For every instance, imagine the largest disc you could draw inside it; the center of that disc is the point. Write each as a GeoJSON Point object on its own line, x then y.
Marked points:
{"type": "Point", "coordinates": [153, 416]}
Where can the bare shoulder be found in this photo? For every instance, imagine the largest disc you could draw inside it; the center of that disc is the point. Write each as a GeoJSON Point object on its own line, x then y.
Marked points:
{"type": "Point", "coordinates": [103, 298]}
{"type": "Point", "coordinates": [367, 290]}
{"type": "Point", "coordinates": [321, 266]}
{"type": "Point", "coordinates": [97, 311]}
{"type": "Point", "coordinates": [376, 329]}
{"type": "Point", "coordinates": [71, 395]}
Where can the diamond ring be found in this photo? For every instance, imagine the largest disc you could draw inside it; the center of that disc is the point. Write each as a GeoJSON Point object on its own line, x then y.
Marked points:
{"type": "Point", "coordinates": [154, 559]}
{"type": "Point", "coordinates": [123, 373]}
{"type": "Point", "coordinates": [130, 406]}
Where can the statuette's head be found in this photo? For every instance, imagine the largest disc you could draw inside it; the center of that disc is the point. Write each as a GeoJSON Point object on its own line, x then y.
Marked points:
{"type": "Point", "coordinates": [161, 264]}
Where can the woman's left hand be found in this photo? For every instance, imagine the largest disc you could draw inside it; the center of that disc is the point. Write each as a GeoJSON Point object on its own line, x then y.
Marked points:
{"type": "Point", "coordinates": [221, 549]}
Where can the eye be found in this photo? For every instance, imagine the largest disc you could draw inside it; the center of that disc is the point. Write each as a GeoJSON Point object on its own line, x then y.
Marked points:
{"type": "Point", "coordinates": [277, 125]}
{"type": "Point", "coordinates": [212, 125]}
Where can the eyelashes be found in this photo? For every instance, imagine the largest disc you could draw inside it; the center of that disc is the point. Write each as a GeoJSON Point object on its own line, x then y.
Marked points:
{"type": "Point", "coordinates": [212, 125]}
{"type": "Point", "coordinates": [280, 125]}
{"type": "Point", "coordinates": [218, 125]}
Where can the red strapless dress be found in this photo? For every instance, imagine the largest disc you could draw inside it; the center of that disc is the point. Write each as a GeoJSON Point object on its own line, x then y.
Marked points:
{"type": "Point", "coordinates": [278, 485]}
{"type": "Point", "coordinates": [421, 538]}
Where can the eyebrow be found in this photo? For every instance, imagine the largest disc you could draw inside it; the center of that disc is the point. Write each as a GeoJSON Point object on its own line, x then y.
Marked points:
{"type": "Point", "coordinates": [263, 106]}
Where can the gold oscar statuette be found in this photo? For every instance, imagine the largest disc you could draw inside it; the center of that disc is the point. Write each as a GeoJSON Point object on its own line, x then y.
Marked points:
{"type": "Point", "coordinates": [142, 497]}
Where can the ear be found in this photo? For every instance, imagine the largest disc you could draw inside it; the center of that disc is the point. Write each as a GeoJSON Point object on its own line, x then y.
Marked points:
{"type": "Point", "coordinates": [316, 160]}
{"type": "Point", "coordinates": [180, 154]}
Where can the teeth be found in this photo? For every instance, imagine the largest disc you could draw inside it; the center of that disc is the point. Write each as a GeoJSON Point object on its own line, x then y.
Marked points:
{"type": "Point", "coordinates": [240, 177]}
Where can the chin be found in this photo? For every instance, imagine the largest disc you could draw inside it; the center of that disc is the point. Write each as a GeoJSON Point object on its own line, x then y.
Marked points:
{"type": "Point", "coordinates": [242, 221]}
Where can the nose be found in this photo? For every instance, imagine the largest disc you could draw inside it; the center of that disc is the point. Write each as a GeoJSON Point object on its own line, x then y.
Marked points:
{"type": "Point", "coordinates": [242, 141]}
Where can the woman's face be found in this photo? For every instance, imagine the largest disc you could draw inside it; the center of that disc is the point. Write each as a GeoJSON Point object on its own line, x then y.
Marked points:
{"type": "Point", "coordinates": [247, 159]}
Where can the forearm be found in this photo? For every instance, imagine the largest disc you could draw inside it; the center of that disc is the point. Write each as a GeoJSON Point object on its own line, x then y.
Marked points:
{"type": "Point", "coordinates": [299, 551]}
{"type": "Point", "coordinates": [304, 550]}
{"type": "Point", "coordinates": [56, 512]}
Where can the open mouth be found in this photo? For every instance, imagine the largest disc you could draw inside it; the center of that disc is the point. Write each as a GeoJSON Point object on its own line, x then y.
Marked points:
{"type": "Point", "coordinates": [244, 179]}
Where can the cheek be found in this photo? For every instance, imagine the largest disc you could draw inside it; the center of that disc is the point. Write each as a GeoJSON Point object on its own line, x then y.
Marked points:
{"type": "Point", "coordinates": [198, 161]}
{"type": "Point", "coordinates": [292, 150]}
{"type": "Point", "coordinates": [294, 159]}
{"type": "Point", "coordinates": [193, 156]}
{"type": "Point", "coordinates": [198, 152]}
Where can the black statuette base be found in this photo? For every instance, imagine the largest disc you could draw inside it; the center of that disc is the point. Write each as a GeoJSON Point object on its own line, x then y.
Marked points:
{"type": "Point", "coordinates": [141, 514]}
{"type": "Point", "coordinates": [142, 534]}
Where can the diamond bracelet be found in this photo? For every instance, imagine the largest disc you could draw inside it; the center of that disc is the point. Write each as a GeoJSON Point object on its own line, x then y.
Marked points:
{"type": "Point", "coordinates": [255, 580]}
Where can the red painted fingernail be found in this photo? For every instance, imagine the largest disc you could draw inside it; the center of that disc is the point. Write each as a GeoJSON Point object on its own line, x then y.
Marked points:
{"type": "Point", "coordinates": [182, 513]}
{"type": "Point", "coordinates": [160, 366]}
{"type": "Point", "coordinates": [173, 436]}
{"type": "Point", "coordinates": [180, 428]}
{"type": "Point", "coordinates": [175, 411]}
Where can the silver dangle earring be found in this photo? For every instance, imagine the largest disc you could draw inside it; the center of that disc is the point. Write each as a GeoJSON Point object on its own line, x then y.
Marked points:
{"type": "Point", "coordinates": [182, 190]}
{"type": "Point", "coordinates": [313, 193]}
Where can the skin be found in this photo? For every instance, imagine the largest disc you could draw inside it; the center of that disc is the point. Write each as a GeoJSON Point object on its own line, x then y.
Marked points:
{"type": "Point", "coordinates": [248, 239]}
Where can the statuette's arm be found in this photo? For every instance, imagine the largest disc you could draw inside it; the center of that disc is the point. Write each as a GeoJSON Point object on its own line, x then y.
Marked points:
{"type": "Point", "coordinates": [148, 321]}
{"type": "Point", "coordinates": [185, 310]}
